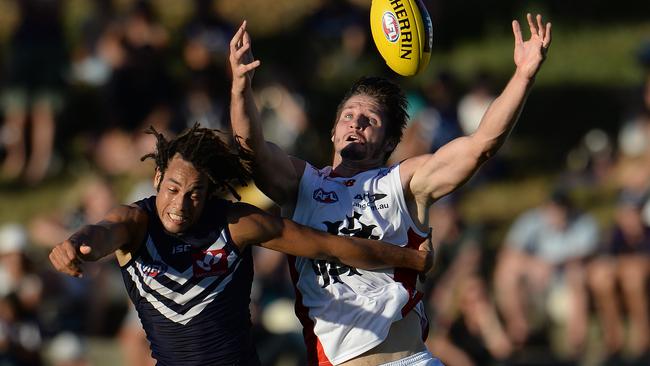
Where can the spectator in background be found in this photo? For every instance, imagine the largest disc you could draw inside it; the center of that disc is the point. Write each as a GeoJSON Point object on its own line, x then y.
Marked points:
{"type": "Point", "coordinates": [543, 256]}
{"type": "Point", "coordinates": [591, 162]}
{"type": "Point", "coordinates": [473, 105]}
{"type": "Point", "coordinates": [276, 329]}
{"type": "Point", "coordinates": [420, 132]}
{"type": "Point", "coordinates": [633, 161]}
{"type": "Point", "coordinates": [624, 264]}
{"type": "Point", "coordinates": [107, 303]}
{"type": "Point", "coordinates": [36, 61]}
{"type": "Point", "coordinates": [441, 94]}
{"type": "Point", "coordinates": [138, 90]}
{"type": "Point", "coordinates": [205, 94]}
{"type": "Point", "coordinates": [133, 341]}
{"type": "Point", "coordinates": [20, 298]}
{"type": "Point", "coordinates": [466, 329]}
{"type": "Point", "coordinates": [67, 349]}
{"type": "Point", "coordinates": [434, 119]}
{"type": "Point", "coordinates": [634, 145]}
{"type": "Point", "coordinates": [284, 115]}
{"type": "Point", "coordinates": [96, 198]}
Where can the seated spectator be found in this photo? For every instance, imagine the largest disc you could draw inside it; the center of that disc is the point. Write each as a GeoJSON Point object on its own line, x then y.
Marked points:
{"type": "Point", "coordinates": [542, 257]}
{"type": "Point", "coordinates": [466, 329]}
{"type": "Point", "coordinates": [67, 349]}
{"type": "Point", "coordinates": [20, 298]}
{"type": "Point", "coordinates": [625, 265]}
{"type": "Point", "coordinates": [104, 306]}
{"type": "Point", "coordinates": [97, 197]}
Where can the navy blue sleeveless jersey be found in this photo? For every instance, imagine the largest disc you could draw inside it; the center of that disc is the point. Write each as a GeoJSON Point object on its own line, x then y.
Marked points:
{"type": "Point", "coordinates": [192, 291]}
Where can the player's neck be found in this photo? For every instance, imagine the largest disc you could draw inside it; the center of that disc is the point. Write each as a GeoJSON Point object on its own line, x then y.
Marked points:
{"type": "Point", "coordinates": [348, 168]}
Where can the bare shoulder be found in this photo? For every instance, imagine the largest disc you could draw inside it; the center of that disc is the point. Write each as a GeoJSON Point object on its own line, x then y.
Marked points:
{"type": "Point", "coordinates": [127, 214]}
{"type": "Point", "coordinates": [135, 221]}
{"type": "Point", "coordinates": [408, 167]}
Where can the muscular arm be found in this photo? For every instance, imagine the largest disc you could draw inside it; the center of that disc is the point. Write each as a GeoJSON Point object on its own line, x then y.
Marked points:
{"type": "Point", "coordinates": [276, 174]}
{"type": "Point", "coordinates": [429, 177]}
{"type": "Point", "coordinates": [121, 229]}
{"type": "Point", "coordinates": [252, 226]}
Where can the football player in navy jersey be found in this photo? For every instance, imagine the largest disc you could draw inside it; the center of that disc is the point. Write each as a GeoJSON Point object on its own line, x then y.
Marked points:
{"type": "Point", "coordinates": [185, 254]}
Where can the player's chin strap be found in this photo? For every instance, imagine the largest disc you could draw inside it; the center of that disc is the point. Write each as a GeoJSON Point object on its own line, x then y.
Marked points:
{"type": "Point", "coordinates": [421, 282]}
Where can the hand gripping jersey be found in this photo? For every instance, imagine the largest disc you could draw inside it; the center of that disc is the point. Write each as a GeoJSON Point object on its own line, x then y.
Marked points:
{"type": "Point", "coordinates": [192, 292]}
{"type": "Point", "coordinates": [346, 311]}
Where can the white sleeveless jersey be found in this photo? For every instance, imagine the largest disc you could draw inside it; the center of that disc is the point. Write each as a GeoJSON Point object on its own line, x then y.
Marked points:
{"type": "Point", "coordinates": [346, 311]}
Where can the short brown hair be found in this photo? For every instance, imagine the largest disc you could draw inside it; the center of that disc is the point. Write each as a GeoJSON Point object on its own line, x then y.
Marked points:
{"type": "Point", "coordinates": [389, 96]}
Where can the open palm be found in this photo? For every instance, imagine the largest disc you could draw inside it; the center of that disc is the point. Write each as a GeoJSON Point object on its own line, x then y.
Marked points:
{"type": "Point", "coordinates": [530, 54]}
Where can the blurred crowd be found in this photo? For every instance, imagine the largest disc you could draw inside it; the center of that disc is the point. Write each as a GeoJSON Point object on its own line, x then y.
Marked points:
{"type": "Point", "coordinates": [561, 284]}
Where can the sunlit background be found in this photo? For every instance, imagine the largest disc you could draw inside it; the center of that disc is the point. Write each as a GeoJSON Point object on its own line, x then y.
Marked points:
{"type": "Point", "coordinates": [80, 80]}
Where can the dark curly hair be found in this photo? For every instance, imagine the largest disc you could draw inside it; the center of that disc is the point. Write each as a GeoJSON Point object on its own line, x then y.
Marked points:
{"type": "Point", "coordinates": [223, 165]}
{"type": "Point", "coordinates": [389, 96]}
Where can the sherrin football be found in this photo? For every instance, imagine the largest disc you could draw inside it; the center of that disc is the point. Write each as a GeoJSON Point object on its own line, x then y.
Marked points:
{"type": "Point", "coordinates": [403, 34]}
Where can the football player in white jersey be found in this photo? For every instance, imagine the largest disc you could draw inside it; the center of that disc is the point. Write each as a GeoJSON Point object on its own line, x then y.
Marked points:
{"type": "Point", "coordinates": [368, 126]}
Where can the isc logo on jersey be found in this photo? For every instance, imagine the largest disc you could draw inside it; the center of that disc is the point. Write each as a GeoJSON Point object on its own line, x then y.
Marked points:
{"type": "Point", "coordinates": [403, 33]}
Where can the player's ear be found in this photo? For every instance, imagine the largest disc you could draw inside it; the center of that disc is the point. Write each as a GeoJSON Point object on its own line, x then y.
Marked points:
{"type": "Point", "coordinates": [156, 179]}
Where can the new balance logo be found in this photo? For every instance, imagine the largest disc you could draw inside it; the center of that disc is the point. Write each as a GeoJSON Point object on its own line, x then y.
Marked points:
{"type": "Point", "coordinates": [370, 197]}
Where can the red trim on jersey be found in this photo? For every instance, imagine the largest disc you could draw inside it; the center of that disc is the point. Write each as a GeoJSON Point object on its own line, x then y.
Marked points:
{"type": "Point", "coordinates": [315, 352]}
{"type": "Point", "coordinates": [407, 277]}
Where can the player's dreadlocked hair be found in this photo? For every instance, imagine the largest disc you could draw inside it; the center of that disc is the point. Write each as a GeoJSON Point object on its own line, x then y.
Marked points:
{"type": "Point", "coordinates": [209, 154]}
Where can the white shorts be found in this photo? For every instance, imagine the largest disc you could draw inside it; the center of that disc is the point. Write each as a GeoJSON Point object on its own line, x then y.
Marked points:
{"type": "Point", "coordinates": [424, 358]}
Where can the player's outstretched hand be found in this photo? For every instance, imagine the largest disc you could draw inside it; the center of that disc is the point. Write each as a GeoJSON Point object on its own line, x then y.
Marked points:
{"type": "Point", "coordinates": [529, 55]}
{"type": "Point", "coordinates": [66, 257]}
{"type": "Point", "coordinates": [242, 63]}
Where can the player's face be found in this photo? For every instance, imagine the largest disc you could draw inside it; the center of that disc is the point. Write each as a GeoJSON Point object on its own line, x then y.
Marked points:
{"type": "Point", "coordinates": [182, 195]}
{"type": "Point", "coordinates": [360, 130]}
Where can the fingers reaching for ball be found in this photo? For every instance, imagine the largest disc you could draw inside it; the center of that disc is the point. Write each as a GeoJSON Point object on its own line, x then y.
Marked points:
{"type": "Point", "coordinates": [242, 62]}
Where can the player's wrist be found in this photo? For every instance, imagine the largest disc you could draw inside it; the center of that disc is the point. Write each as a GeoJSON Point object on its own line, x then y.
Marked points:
{"type": "Point", "coordinates": [524, 76]}
{"type": "Point", "coordinates": [421, 260]}
{"type": "Point", "coordinates": [239, 89]}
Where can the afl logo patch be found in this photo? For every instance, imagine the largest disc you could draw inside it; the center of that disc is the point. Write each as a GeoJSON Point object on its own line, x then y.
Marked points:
{"type": "Point", "coordinates": [390, 26]}
{"type": "Point", "coordinates": [325, 197]}
{"type": "Point", "coordinates": [153, 269]}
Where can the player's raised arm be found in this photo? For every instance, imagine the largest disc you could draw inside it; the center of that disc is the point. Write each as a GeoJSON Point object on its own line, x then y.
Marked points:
{"type": "Point", "coordinates": [251, 226]}
{"type": "Point", "coordinates": [433, 176]}
{"type": "Point", "coordinates": [121, 228]}
{"type": "Point", "coordinates": [275, 173]}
